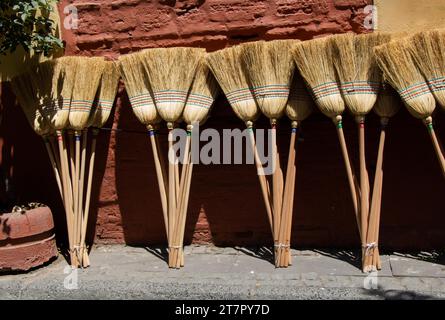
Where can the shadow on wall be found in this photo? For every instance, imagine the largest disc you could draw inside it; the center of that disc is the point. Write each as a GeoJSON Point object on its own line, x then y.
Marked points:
{"type": "Point", "coordinates": [25, 159]}
{"type": "Point", "coordinates": [227, 198]}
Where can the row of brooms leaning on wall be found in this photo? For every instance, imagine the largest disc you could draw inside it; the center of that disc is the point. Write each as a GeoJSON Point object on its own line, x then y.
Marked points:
{"type": "Point", "coordinates": [66, 97]}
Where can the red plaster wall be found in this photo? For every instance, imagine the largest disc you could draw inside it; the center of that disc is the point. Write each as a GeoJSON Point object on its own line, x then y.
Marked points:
{"type": "Point", "coordinates": [226, 206]}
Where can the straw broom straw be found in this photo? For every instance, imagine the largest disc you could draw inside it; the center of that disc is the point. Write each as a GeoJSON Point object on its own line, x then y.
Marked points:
{"type": "Point", "coordinates": [299, 107]}
{"type": "Point", "coordinates": [99, 116]}
{"type": "Point", "coordinates": [360, 80]}
{"type": "Point", "coordinates": [170, 73]}
{"type": "Point", "coordinates": [227, 68]}
{"type": "Point", "coordinates": [269, 68]}
{"type": "Point", "coordinates": [314, 60]}
{"type": "Point", "coordinates": [386, 107]}
{"type": "Point", "coordinates": [400, 70]}
{"type": "Point", "coordinates": [203, 93]}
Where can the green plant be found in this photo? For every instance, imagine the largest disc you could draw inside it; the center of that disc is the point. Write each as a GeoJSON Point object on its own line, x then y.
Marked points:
{"type": "Point", "coordinates": [21, 25]}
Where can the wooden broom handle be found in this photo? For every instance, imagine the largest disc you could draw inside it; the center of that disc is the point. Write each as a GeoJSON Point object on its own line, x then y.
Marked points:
{"type": "Point", "coordinates": [276, 196]}
{"type": "Point", "coordinates": [54, 166]}
{"type": "Point", "coordinates": [349, 171]}
{"type": "Point", "coordinates": [260, 173]}
{"type": "Point", "coordinates": [364, 210]}
{"type": "Point", "coordinates": [436, 144]}
{"type": "Point", "coordinates": [81, 191]}
{"type": "Point", "coordinates": [78, 219]}
{"type": "Point", "coordinates": [171, 192]}
{"type": "Point", "coordinates": [160, 177]}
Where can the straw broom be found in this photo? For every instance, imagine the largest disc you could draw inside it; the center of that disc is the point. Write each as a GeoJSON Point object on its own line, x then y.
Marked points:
{"type": "Point", "coordinates": [299, 106]}
{"type": "Point", "coordinates": [170, 73]}
{"type": "Point", "coordinates": [269, 68]}
{"type": "Point", "coordinates": [27, 98]}
{"type": "Point", "coordinates": [360, 80]}
{"type": "Point", "coordinates": [400, 70]}
{"type": "Point", "coordinates": [386, 107]}
{"type": "Point", "coordinates": [314, 60]}
{"type": "Point", "coordinates": [53, 83]}
{"type": "Point", "coordinates": [200, 99]}
{"type": "Point", "coordinates": [99, 116]}
{"type": "Point", "coordinates": [86, 83]}
{"type": "Point", "coordinates": [227, 68]}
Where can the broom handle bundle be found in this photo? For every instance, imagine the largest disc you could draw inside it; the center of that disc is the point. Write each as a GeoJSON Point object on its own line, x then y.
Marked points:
{"type": "Point", "coordinates": [81, 191]}
{"type": "Point", "coordinates": [261, 176]}
{"type": "Point", "coordinates": [78, 218]}
{"type": "Point", "coordinates": [372, 257]}
{"type": "Point", "coordinates": [436, 144]}
{"type": "Point", "coordinates": [364, 183]}
{"type": "Point", "coordinates": [95, 133]}
{"type": "Point", "coordinates": [351, 178]}
{"type": "Point", "coordinates": [160, 177]}
{"type": "Point", "coordinates": [286, 213]}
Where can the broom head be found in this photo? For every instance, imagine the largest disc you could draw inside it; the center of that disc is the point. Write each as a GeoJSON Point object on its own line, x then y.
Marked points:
{"type": "Point", "coordinates": [314, 60]}
{"type": "Point", "coordinates": [388, 103]}
{"type": "Point", "coordinates": [202, 94]}
{"type": "Point", "coordinates": [27, 98]}
{"type": "Point", "coordinates": [86, 83]}
{"type": "Point", "coordinates": [428, 50]}
{"type": "Point", "coordinates": [138, 89]}
{"type": "Point", "coordinates": [269, 68]}
{"type": "Point", "coordinates": [226, 66]}
{"type": "Point", "coordinates": [53, 81]}
{"type": "Point", "coordinates": [106, 95]}
{"type": "Point", "coordinates": [401, 72]}
{"type": "Point", "coordinates": [170, 73]}
{"type": "Point", "coordinates": [359, 75]}
{"type": "Point", "coordinates": [300, 104]}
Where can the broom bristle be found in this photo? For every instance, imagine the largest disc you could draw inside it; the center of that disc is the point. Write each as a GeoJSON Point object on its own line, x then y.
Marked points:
{"type": "Point", "coordinates": [269, 67]}
{"type": "Point", "coordinates": [138, 89]}
{"type": "Point", "coordinates": [106, 95]}
{"type": "Point", "coordinates": [53, 82]}
{"type": "Point", "coordinates": [400, 71]}
{"type": "Point", "coordinates": [428, 50]}
{"type": "Point", "coordinates": [300, 104]}
{"type": "Point", "coordinates": [314, 60]}
{"type": "Point", "coordinates": [170, 72]}
{"type": "Point", "coordinates": [27, 98]}
{"type": "Point", "coordinates": [86, 83]}
{"type": "Point", "coordinates": [226, 66]}
{"type": "Point", "coordinates": [388, 103]}
{"type": "Point", "coordinates": [202, 94]}
{"type": "Point", "coordinates": [358, 72]}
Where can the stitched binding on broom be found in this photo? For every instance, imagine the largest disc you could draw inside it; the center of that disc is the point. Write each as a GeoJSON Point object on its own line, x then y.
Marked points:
{"type": "Point", "coordinates": [52, 107]}
{"type": "Point", "coordinates": [199, 100]}
{"type": "Point", "coordinates": [437, 84]}
{"type": "Point", "coordinates": [239, 95]}
{"type": "Point", "coordinates": [105, 105]}
{"type": "Point", "coordinates": [359, 87]}
{"type": "Point", "coordinates": [414, 91]}
{"type": "Point", "coordinates": [271, 91]}
{"type": "Point", "coordinates": [81, 105]}
{"type": "Point", "coordinates": [167, 96]}
{"type": "Point", "coordinates": [325, 89]}
{"type": "Point", "coordinates": [141, 100]}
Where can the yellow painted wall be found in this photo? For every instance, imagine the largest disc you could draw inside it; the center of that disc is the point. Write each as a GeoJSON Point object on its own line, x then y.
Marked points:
{"type": "Point", "coordinates": [410, 15]}
{"type": "Point", "coordinates": [17, 62]}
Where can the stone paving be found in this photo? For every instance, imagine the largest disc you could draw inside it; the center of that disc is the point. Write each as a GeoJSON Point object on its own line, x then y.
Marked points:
{"type": "Point", "coordinates": [121, 272]}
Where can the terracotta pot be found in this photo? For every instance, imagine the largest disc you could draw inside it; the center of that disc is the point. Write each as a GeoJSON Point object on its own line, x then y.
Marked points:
{"type": "Point", "coordinates": [27, 240]}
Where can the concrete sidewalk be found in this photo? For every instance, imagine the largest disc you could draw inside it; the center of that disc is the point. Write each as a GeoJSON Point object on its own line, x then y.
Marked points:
{"type": "Point", "coordinates": [120, 272]}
